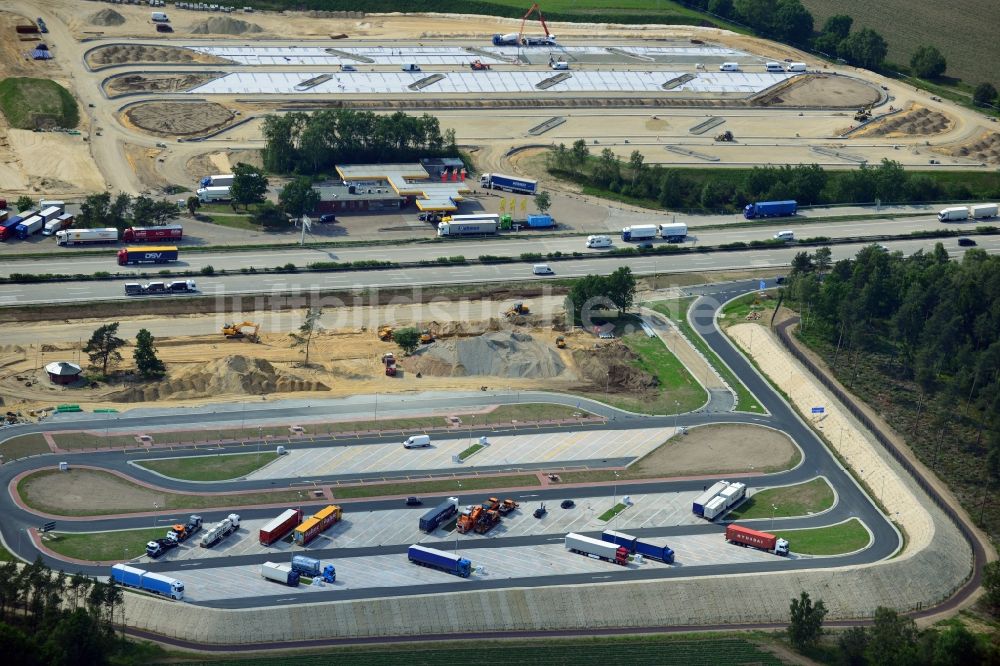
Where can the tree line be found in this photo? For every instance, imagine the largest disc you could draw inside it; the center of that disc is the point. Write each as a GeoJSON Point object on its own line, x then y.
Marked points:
{"type": "Point", "coordinates": [103, 345]}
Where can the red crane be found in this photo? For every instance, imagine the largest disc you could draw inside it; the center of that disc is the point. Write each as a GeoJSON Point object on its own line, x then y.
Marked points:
{"type": "Point", "coordinates": [541, 19]}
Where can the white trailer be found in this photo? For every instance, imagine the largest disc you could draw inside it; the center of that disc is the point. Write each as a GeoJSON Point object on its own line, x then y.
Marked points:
{"type": "Point", "coordinates": [603, 550]}
{"type": "Point", "coordinates": [639, 232]}
{"type": "Point", "coordinates": [954, 214]}
{"type": "Point", "coordinates": [220, 531]}
{"type": "Point", "coordinates": [210, 194]}
{"type": "Point", "coordinates": [83, 236]}
{"type": "Point", "coordinates": [700, 502]}
{"type": "Point", "coordinates": [675, 232]}
{"type": "Point", "coordinates": [50, 213]}
{"type": "Point", "coordinates": [280, 573]}
{"type": "Point", "coordinates": [732, 495]}
{"type": "Point", "coordinates": [46, 203]}
{"type": "Point", "coordinates": [982, 211]}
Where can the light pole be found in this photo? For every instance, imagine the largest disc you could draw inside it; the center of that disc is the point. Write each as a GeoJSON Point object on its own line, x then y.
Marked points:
{"type": "Point", "coordinates": [614, 498]}
{"type": "Point", "coordinates": [774, 509]}
{"type": "Point", "coordinates": [260, 437]}
{"type": "Point", "coordinates": [607, 380]}
{"type": "Point", "coordinates": [126, 553]}
{"type": "Point", "coordinates": [155, 509]}
{"type": "Point", "coordinates": [456, 528]}
{"type": "Point", "coordinates": [677, 408]}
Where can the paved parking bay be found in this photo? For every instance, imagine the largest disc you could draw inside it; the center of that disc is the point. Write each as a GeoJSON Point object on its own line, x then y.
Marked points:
{"type": "Point", "coordinates": [316, 55]}
{"type": "Point", "coordinates": [559, 447]}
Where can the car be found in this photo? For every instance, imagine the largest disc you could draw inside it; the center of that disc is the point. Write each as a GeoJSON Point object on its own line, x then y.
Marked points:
{"type": "Point", "coordinates": [567, 504]}
{"type": "Point", "coordinates": [966, 242]}
{"type": "Point", "coordinates": [645, 245]}
{"type": "Point", "coordinates": [606, 335]}
{"type": "Point", "coordinates": [540, 511]}
{"type": "Point", "coordinates": [348, 68]}
{"type": "Point", "coordinates": [413, 501]}
{"type": "Point", "coordinates": [328, 218]}
{"type": "Point", "coordinates": [541, 269]}
{"type": "Point", "coordinates": [781, 279]}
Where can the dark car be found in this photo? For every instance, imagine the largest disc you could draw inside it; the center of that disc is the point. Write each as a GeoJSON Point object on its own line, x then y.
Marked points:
{"type": "Point", "coordinates": [781, 279]}
{"type": "Point", "coordinates": [413, 501]}
{"type": "Point", "coordinates": [966, 242]}
{"type": "Point", "coordinates": [328, 218]}
{"type": "Point", "coordinates": [540, 511]}
{"type": "Point", "coordinates": [567, 504]}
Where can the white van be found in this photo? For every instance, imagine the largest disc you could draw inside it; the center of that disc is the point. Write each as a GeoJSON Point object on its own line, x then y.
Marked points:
{"type": "Point", "coordinates": [541, 269]}
{"type": "Point", "coordinates": [598, 241]}
{"type": "Point", "coordinates": [773, 67]}
{"type": "Point", "coordinates": [417, 442]}
{"type": "Point", "coordinates": [797, 67]}
{"type": "Point", "coordinates": [729, 67]}
{"type": "Point", "coordinates": [785, 235]}
{"type": "Point", "coordinates": [559, 64]}
{"type": "Point", "coordinates": [411, 67]}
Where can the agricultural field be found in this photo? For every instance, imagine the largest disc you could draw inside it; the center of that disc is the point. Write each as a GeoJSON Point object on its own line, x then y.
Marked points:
{"type": "Point", "coordinates": [960, 29]}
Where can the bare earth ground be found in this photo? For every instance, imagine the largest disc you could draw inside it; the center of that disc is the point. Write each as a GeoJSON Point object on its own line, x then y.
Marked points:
{"type": "Point", "coordinates": [81, 488]}
{"type": "Point", "coordinates": [117, 54]}
{"type": "Point", "coordinates": [131, 83]}
{"type": "Point", "coordinates": [823, 90]}
{"type": "Point", "coordinates": [179, 118]}
{"type": "Point", "coordinates": [714, 448]}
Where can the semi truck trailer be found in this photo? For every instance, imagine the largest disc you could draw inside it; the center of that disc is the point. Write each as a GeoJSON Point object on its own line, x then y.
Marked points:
{"type": "Point", "coordinates": [317, 524]}
{"type": "Point", "coordinates": [148, 581]}
{"type": "Point", "coordinates": [468, 228]}
{"type": "Point", "coordinates": [280, 573]}
{"type": "Point", "coordinates": [146, 255]}
{"type": "Point", "coordinates": [698, 507]}
{"type": "Point", "coordinates": [30, 226]}
{"type": "Point", "coordinates": [86, 236]}
{"type": "Point", "coordinates": [635, 546]}
{"type": "Point", "coordinates": [220, 530]}
{"type": "Point", "coordinates": [746, 537]}
{"type": "Point", "coordinates": [673, 233]}
{"type": "Point", "coordinates": [431, 520]}
{"type": "Point", "coordinates": [8, 228]}
{"type": "Point", "coordinates": [982, 211]}
{"type": "Point", "coordinates": [639, 232]}
{"type": "Point", "coordinates": [601, 550]}
{"type": "Point", "coordinates": [498, 181]}
{"type": "Point", "coordinates": [280, 526]}
{"type": "Point", "coordinates": [753, 211]}
{"type": "Point", "coordinates": [725, 500]}
{"type": "Point", "coordinates": [173, 232]}
{"type": "Point", "coordinates": [438, 559]}
{"type": "Point", "coordinates": [64, 221]}
{"type": "Point", "coordinates": [50, 213]}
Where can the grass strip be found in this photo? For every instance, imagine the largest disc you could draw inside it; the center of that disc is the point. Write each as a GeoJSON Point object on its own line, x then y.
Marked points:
{"type": "Point", "coordinates": [102, 546]}
{"type": "Point", "coordinates": [799, 500]}
{"type": "Point", "coordinates": [472, 450]}
{"type": "Point", "coordinates": [833, 540]}
{"type": "Point", "coordinates": [612, 512]}
{"type": "Point", "coordinates": [210, 468]}
{"type": "Point", "coordinates": [23, 446]}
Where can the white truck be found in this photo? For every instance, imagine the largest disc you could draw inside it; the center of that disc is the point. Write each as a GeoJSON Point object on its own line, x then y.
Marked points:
{"type": "Point", "coordinates": [159, 17]}
{"type": "Point", "coordinates": [673, 233]}
{"type": "Point", "coordinates": [596, 549]}
{"type": "Point", "coordinates": [954, 214]}
{"type": "Point", "coordinates": [213, 193]}
{"type": "Point", "coordinates": [64, 221]}
{"type": "Point", "coordinates": [639, 232]}
{"type": "Point", "coordinates": [725, 500]}
{"type": "Point", "coordinates": [982, 211]}
{"type": "Point", "coordinates": [220, 531]}
{"type": "Point", "coordinates": [84, 236]}
{"type": "Point", "coordinates": [50, 213]}
{"type": "Point", "coordinates": [598, 241]}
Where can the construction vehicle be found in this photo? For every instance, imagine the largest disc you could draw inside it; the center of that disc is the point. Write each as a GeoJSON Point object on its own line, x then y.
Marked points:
{"type": "Point", "coordinates": [862, 115]}
{"type": "Point", "coordinates": [468, 519]}
{"type": "Point", "coordinates": [488, 519]}
{"type": "Point", "coordinates": [725, 136]}
{"type": "Point", "coordinates": [561, 342]}
{"type": "Point", "coordinates": [426, 337]}
{"type": "Point", "coordinates": [385, 333]}
{"type": "Point", "coordinates": [235, 331]}
{"type": "Point", "coordinates": [519, 309]}
{"type": "Point", "coordinates": [507, 506]}
{"type": "Point", "coordinates": [479, 66]}
{"type": "Point", "coordinates": [389, 361]}
{"type": "Point", "coordinates": [518, 38]}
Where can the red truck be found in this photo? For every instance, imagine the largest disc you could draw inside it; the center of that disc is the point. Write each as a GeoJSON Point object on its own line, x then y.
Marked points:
{"type": "Point", "coordinates": [280, 526]}
{"type": "Point", "coordinates": [173, 232]}
{"type": "Point", "coordinates": [744, 536]}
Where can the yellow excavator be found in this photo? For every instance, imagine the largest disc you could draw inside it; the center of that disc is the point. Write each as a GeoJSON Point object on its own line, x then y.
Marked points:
{"type": "Point", "coordinates": [385, 333]}
{"type": "Point", "coordinates": [236, 331]}
{"type": "Point", "coordinates": [518, 309]}
{"type": "Point", "coordinates": [426, 337]}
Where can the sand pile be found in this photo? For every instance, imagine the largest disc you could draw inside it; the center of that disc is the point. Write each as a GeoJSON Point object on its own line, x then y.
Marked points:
{"type": "Point", "coordinates": [611, 365]}
{"type": "Point", "coordinates": [985, 148]}
{"type": "Point", "coordinates": [501, 354]}
{"type": "Point", "coordinates": [224, 25]}
{"type": "Point", "coordinates": [916, 121]}
{"type": "Point", "coordinates": [106, 17]}
{"type": "Point", "coordinates": [237, 375]}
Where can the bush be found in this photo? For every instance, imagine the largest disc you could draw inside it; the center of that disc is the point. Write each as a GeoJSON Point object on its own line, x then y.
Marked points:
{"type": "Point", "coordinates": [494, 259]}
{"type": "Point", "coordinates": [531, 256]}
{"type": "Point", "coordinates": [208, 270]}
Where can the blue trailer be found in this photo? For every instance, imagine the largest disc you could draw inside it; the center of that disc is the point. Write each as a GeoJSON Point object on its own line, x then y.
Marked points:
{"type": "Point", "coordinates": [306, 566]}
{"type": "Point", "coordinates": [433, 518]}
{"type": "Point", "coordinates": [620, 539]}
{"type": "Point", "coordinates": [635, 546]}
{"type": "Point", "coordinates": [148, 581]}
{"type": "Point", "coordinates": [770, 209]}
{"type": "Point", "coordinates": [498, 181]}
{"type": "Point", "coordinates": [9, 226]}
{"type": "Point", "coordinates": [438, 559]}
{"type": "Point", "coordinates": [540, 221]}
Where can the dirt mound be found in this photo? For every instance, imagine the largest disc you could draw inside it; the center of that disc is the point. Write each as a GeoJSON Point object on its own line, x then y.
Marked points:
{"type": "Point", "coordinates": [611, 366]}
{"type": "Point", "coordinates": [918, 121]}
{"type": "Point", "coordinates": [500, 354]}
{"type": "Point", "coordinates": [223, 25]}
{"type": "Point", "coordinates": [106, 17]}
{"type": "Point", "coordinates": [986, 148]}
{"type": "Point", "coordinates": [179, 118]}
{"type": "Point", "coordinates": [227, 375]}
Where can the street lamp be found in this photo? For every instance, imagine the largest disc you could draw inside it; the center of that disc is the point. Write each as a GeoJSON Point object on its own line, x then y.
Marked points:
{"type": "Point", "coordinates": [155, 508]}
{"type": "Point", "coordinates": [456, 528]}
{"type": "Point", "coordinates": [677, 408]}
{"type": "Point", "coordinates": [774, 509]}
{"type": "Point", "coordinates": [614, 498]}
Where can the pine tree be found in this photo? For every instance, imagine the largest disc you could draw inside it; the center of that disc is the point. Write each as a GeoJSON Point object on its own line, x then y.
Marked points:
{"type": "Point", "coordinates": [146, 361]}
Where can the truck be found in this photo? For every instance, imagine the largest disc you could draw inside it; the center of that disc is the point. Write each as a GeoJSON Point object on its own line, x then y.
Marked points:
{"type": "Point", "coordinates": [725, 500]}
{"type": "Point", "coordinates": [280, 573]}
{"type": "Point", "coordinates": [954, 214]}
{"type": "Point", "coordinates": [8, 228]}
{"type": "Point", "coordinates": [770, 209]}
{"type": "Point", "coordinates": [313, 568]}
{"type": "Point", "coordinates": [541, 221]}
{"type": "Point", "coordinates": [280, 526]}
{"type": "Point", "coordinates": [148, 581]}
{"type": "Point", "coordinates": [744, 536]}
{"type": "Point", "coordinates": [29, 226]}
{"type": "Point", "coordinates": [639, 232]}
{"type": "Point", "coordinates": [86, 236]}
{"type": "Point", "coordinates": [431, 520]}
{"type": "Point", "coordinates": [184, 531]}
{"type": "Point", "coordinates": [218, 180]}
{"type": "Point", "coordinates": [318, 523]}
{"type": "Point", "coordinates": [220, 530]}
{"type": "Point", "coordinates": [64, 221]}
{"type": "Point", "coordinates": [172, 232]}
{"type": "Point", "coordinates": [159, 546]}
{"type": "Point", "coordinates": [467, 228]}
{"type": "Point", "coordinates": [210, 194]}
{"type": "Point", "coordinates": [498, 181]}
{"type": "Point", "coordinates": [50, 213]}
{"type": "Point", "coordinates": [146, 255]}
{"type": "Point", "coordinates": [597, 549]}
{"type": "Point", "coordinates": [698, 507]}
{"type": "Point", "coordinates": [438, 559]}
{"type": "Point", "coordinates": [982, 211]}
{"type": "Point", "coordinates": [675, 232]}
{"type": "Point", "coordinates": [635, 546]}
{"type": "Point", "coordinates": [48, 203]}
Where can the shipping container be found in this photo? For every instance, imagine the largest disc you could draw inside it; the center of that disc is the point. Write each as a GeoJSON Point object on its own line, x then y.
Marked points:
{"type": "Point", "coordinates": [541, 221]}
{"type": "Point", "coordinates": [145, 580]}
{"type": "Point", "coordinates": [280, 526]}
{"type": "Point", "coordinates": [318, 523]}
{"type": "Point", "coordinates": [732, 495]}
{"type": "Point", "coordinates": [173, 232]}
{"type": "Point", "coordinates": [744, 536]}
{"type": "Point", "coordinates": [439, 559]}
{"type": "Point", "coordinates": [146, 255]}
{"type": "Point", "coordinates": [609, 552]}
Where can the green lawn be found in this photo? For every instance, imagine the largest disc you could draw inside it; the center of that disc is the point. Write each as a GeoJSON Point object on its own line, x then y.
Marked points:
{"type": "Point", "coordinates": [834, 540]}
{"type": "Point", "coordinates": [676, 310]}
{"type": "Point", "coordinates": [33, 103]}
{"type": "Point", "coordinates": [232, 221]}
{"type": "Point", "coordinates": [612, 512]}
{"type": "Point", "coordinates": [475, 448]}
{"type": "Point", "coordinates": [210, 468]}
{"type": "Point", "coordinates": [799, 500]}
{"type": "Point", "coordinates": [736, 311]}
{"type": "Point", "coordinates": [23, 446]}
{"type": "Point", "coordinates": [676, 383]}
{"type": "Point", "coordinates": [102, 546]}
{"type": "Point", "coordinates": [418, 487]}
{"type": "Point", "coordinates": [6, 555]}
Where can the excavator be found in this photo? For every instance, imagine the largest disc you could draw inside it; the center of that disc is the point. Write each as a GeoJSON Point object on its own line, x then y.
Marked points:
{"type": "Point", "coordinates": [864, 114]}
{"type": "Point", "coordinates": [561, 342]}
{"type": "Point", "coordinates": [518, 309]}
{"type": "Point", "coordinates": [426, 337]}
{"type": "Point", "coordinates": [235, 331]}
{"type": "Point", "coordinates": [725, 136]}
{"type": "Point", "coordinates": [385, 333]}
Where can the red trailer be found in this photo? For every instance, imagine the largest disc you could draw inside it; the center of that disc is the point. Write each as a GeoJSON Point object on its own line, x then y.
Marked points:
{"type": "Point", "coordinates": [173, 232]}
{"type": "Point", "coordinates": [280, 526]}
{"type": "Point", "coordinates": [744, 536]}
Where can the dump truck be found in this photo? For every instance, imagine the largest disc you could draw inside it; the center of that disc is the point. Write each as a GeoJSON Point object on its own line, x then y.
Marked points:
{"type": "Point", "coordinates": [561, 342]}
{"type": "Point", "coordinates": [317, 524]}
{"type": "Point", "coordinates": [173, 232]}
{"type": "Point", "coordinates": [770, 209]}
{"type": "Point", "coordinates": [426, 337]}
{"type": "Point", "coordinates": [146, 255]}
{"type": "Point", "coordinates": [594, 548]}
{"type": "Point", "coordinates": [698, 507]}
{"type": "Point", "coordinates": [235, 331]}
{"type": "Point", "coordinates": [212, 194]}
{"type": "Point", "coordinates": [640, 232]}
{"type": "Point", "coordinates": [431, 520]}
{"type": "Point", "coordinates": [507, 506]}
{"type": "Point", "coordinates": [279, 526]}
{"type": "Point", "coordinates": [148, 581]}
{"type": "Point", "coordinates": [183, 532]}
{"type": "Point", "coordinates": [280, 573]}
{"type": "Point", "coordinates": [746, 537]}
{"type": "Point", "coordinates": [389, 361]}
{"type": "Point", "coordinates": [220, 530]}
{"type": "Point", "coordinates": [498, 181]}
{"type": "Point", "coordinates": [86, 236]}
{"type": "Point", "coordinates": [385, 333]}
{"type": "Point", "coordinates": [725, 500]}
{"type": "Point", "coordinates": [638, 547]}
{"type": "Point", "coordinates": [438, 559]}
{"type": "Point", "coordinates": [468, 518]}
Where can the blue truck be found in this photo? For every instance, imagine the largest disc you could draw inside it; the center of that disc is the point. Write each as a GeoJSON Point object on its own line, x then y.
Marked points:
{"type": "Point", "coordinates": [8, 228]}
{"type": "Point", "coordinates": [770, 209]}
{"type": "Point", "coordinates": [431, 520]}
{"type": "Point", "coordinates": [540, 221]}
{"type": "Point", "coordinates": [635, 546]}
{"type": "Point", "coordinates": [313, 568]}
{"type": "Point", "coordinates": [148, 581]}
{"type": "Point", "coordinates": [498, 181]}
{"type": "Point", "coordinates": [438, 559]}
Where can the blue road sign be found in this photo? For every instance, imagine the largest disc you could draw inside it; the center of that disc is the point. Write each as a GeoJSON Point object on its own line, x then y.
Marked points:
{"type": "Point", "coordinates": [818, 410]}
{"type": "Point", "coordinates": [763, 284]}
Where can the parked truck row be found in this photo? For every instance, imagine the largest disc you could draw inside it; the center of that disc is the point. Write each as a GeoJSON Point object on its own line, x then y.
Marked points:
{"type": "Point", "coordinates": [975, 212]}
{"type": "Point", "coordinates": [318, 523]}
{"type": "Point", "coordinates": [280, 526]}
{"type": "Point", "coordinates": [148, 581]}
{"type": "Point", "coordinates": [218, 532]}
{"type": "Point", "coordinates": [440, 514]}
{"type": "Point", "coordinates": [718, 499]}
{"type": "Point", "coordinates": [301, 566]}
{"type": "Point", "coordinates": [637, 547]}
{"type": "Point", "coordinates": [177, 534]}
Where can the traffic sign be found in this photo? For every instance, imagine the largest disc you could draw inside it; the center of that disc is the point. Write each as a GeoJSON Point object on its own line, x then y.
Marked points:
{"type": "Point", "coordinates": [48, 527]}
{"type": "Point", "coordinates": [818, 410]}
{"type": "Point", "coordinates": [763, 285]}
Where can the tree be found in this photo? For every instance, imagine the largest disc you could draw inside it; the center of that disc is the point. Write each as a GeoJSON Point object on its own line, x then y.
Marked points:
{"type": "Point", "coordinates": [984, 95]}
{"type": "Point", "coordinates": [838, 25]}
{"type": "Point", "coordinates": [806, 621]}
{"type": "Point", "coordinates": [24, 203]}
{"type": "Point", "coordinates": [722, 8]}
{"type": "Point", "coordinates": [76, 639]}
{"type": "Point", "coordinates": [852, 644]}
{"type": "Point", "coordinates": [620, 288]}
{"type": "Point", "coordinates": [103, 346]}
{"type": "Point", "coordinates": [310, 326]}
{"type": "Point", "coordinates": [928, 63]}
{"type": "Point", "coordinates": [865, 49]}
{"type": "Point", "coordinates": [193, 203]}
{"type": "Point", "coordinates": [249, 185]}
{"type": "Point", "coordinates": [793, 22]}
{"type": "Point", "coordinates": [991, 584]}
{"type": "Point", "coordinates": [823, 258]}
{"type": "Point", "coordinates": [635, 162]}
{"type": "Point", "coordinates": [892, 639]}
{"type": "Point", "coordinates": [408, 339]}
{"type": "Point", "coordinates": [543, 202]}
{"type": "Point", "coordinates": [579, 153]}
{"type": "Point", "coordinates": [146, 211]}
{"type": "Point", "coordinates": [956, 646]}
{"type": "Point", "coordinates": [144, 354]}
{"type": "Point", "coordinates": [270, 217]}
{"type": "Point", "coordinates": [298, 197]}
